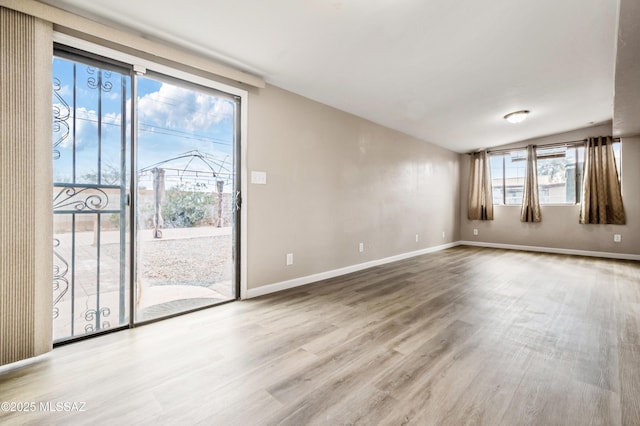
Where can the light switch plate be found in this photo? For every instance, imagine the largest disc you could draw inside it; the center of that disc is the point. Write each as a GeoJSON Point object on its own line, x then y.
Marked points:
{"type": "Point", "coordinates": [258, 178]}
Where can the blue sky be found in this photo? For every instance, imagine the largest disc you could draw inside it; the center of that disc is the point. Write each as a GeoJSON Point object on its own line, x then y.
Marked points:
{"type": "Point", "coordinates": [172, 120]}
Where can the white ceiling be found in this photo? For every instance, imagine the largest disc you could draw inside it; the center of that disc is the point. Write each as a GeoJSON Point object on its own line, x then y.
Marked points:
{"type": "Point", "coordinates": [444, 71]}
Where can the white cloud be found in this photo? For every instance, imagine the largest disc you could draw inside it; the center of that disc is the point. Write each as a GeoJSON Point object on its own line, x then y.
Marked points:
{"type": "Point", "coordinates": [65, 91]}
{"type": "Point", "coordinates": [112, 118]}
{"type": "Point", "coordinates": [176, 108]}
{"type": "Point", "coordinates": [86, 125]}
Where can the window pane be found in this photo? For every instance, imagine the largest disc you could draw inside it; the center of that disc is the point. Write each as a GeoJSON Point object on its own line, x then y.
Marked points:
{"type": "Point", "coordinates": [579, 167]}
{"type": "Point", "coordinates": [497, 178]}
{"type": "Point", "coordinates": [616, 153]}
{"type": "Point", "coordinates": [186, 184]}
{"type": "Point", "coordinates": [515, 163]}
{"type": "Point", "coordinates": [556, 175]}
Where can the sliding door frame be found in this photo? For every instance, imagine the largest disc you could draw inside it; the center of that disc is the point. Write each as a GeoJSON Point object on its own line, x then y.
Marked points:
{"type": "Point", "coordinates": [236, 192]}
{"type": "Point", "coordinates": [71, 46]}
{"type": "Point", "coordinates": [86, 58]}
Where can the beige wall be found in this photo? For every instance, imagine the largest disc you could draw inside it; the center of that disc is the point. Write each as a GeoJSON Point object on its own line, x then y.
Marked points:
{"type": "Point", "coordinates": [559, 227]}
{"type": "Point", "coordinates": [335, 180]}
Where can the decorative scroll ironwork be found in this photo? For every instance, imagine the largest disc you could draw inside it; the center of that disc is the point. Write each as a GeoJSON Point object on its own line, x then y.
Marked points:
{"type": "Point", "coordinates": [84, 198]}
{"type": "Point", "coordinates": [90, 316]}
{"type": "Point", "coordinates": [61, 114]}
{"type": "Point", "coordinates": [60, 281]}
{"type": "Point", "coordinates": [100, 81]}
{"type": "Point", "coordinates": [77, 201]}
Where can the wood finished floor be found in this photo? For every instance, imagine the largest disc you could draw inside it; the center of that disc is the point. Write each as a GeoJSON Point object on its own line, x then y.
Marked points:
{"type": "Point", "coordinates": [462, 336]}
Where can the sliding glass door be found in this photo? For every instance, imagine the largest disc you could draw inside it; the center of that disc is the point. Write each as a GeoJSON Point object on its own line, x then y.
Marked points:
{"type": "Point", "coordinates": [144, 196]}
{"type": "Point", "coordinates": [185, 197]}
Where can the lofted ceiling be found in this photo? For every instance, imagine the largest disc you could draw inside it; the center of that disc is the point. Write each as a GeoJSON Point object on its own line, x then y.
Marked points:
{"type": "Point", "coordinates": [443, 71]}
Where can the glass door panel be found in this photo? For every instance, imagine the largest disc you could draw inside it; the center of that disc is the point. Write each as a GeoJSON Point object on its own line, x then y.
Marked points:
{"type": "Point", "coordinates": [90, 163]}
{"type": "Point", "coordinates": [186, 142]}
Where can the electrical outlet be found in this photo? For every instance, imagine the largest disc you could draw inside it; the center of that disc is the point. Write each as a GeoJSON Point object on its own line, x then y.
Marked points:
{"type": "Point", "coordinates": [443, 235]}
{"type": "Point", "coordinates": [475, 232]}
{"type": "Point", "coordinates": [417, 238]}
{"type": "Point", "coordinates": [617, 238]}
{"type": "Point", "coordinates": [289, 259]}
{"type": "Point", "coordinates": [361, 247]}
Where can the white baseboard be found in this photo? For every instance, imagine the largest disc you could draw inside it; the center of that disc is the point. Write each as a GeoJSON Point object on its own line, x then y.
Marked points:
{"type": "Point", "coordinates": [296, 282]}
{"type": "Point", "coordinates": [588, 253]}
{"type": "Point", "coordinates": [22, 363]}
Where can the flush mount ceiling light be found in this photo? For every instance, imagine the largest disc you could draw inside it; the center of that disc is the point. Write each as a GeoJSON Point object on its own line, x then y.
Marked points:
{"type": "Point", "coordinates": [517, 116]}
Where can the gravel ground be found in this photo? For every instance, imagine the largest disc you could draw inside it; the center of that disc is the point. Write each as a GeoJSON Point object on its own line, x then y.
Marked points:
{"type": "Point", "coordinates": [201, 261]}
{"type": "Point", "coordinates": [192, 261]}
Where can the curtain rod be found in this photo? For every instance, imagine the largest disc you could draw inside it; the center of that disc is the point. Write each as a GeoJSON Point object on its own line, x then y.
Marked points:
{"type": "Point", "coordinates": [549, 145]}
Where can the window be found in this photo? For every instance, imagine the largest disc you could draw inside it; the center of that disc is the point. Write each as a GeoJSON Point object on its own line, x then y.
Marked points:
{"type": "Point", "coordinates": [559, 174]}
{"type": "Point", "coordinates": [507, 177]}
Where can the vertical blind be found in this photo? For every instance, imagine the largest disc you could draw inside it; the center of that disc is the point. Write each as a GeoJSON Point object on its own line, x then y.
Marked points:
{"type": "Point", "coordinates": [25, 186]}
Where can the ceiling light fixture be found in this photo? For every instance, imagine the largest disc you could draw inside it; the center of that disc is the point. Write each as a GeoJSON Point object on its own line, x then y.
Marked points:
{"type": "Point", "coordinates": [517, 116]}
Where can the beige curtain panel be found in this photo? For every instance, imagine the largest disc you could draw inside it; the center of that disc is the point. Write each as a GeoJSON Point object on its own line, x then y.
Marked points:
{"type": "Point", "coordinates": [530, 211]}
{"type": "Point", "coordinates": [601, 195]}
{"type": "Point", "coordinates": [480, 205]}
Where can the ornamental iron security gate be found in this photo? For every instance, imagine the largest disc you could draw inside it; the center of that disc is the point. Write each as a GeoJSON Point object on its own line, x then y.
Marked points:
{"type": "Point", "coordinates": [90, 140]}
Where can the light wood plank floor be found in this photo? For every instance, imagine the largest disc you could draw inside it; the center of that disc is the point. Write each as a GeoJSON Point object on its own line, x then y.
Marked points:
{"type": "Point", "coordinates": [462, 336]}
